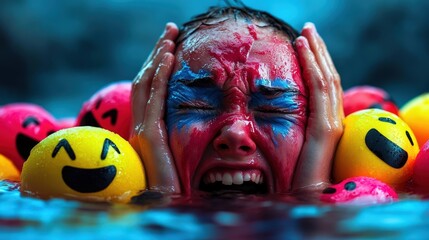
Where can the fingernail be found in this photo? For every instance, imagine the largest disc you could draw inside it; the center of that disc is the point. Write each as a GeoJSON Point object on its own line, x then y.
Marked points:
{"type": "Point", "coordinates": [166, 29]}
{"type": "Point", "coordinates": [301, 42]}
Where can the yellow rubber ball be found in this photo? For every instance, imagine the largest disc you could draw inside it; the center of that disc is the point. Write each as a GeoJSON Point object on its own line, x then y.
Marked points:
{"type": "Point", "coordinates": [83, 163]}
{"type": "Point", "coordinates": [416, 114]}
{"type": "Point", "coordinates": [8, 171]}
{"type": "Point", "coordinates": [377, 144]}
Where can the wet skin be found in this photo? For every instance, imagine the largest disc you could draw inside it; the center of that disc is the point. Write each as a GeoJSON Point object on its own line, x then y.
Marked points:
{"type": "Point", "coordinates": [236, 108]}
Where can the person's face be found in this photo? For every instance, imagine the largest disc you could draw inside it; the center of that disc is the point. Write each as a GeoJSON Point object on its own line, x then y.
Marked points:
{"type": "Point", "coordinates": [236, 109]}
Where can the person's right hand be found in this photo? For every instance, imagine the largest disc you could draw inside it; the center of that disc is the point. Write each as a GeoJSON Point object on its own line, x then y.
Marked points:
{"type": "Point", "coordinates": [149, 135]}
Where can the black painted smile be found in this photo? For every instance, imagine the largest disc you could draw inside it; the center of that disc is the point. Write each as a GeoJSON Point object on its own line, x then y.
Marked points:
{"type": "Point", "coordinates": [88, 180]}
{"type": "Point", "coordinates": [385, 149]}
{"type": "Point", "coordinates": [24, 144]}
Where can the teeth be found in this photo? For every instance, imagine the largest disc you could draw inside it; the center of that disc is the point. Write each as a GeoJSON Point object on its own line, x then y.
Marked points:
{"type": "Point", "coordinates": [253, 177]}
{"type": "Point", "coordinates": [238, 178]}
{"type": "Point", "coordinates": [218, 177]}
{"type": "Point", "coordinates": [227, 179]}
{"type": "Point", "coordinates": [246, 177]}
{"type": "Point", "coordinates": [212, 178]}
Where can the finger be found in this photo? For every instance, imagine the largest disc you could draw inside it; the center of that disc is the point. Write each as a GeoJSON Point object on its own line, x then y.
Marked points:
{"type": "Point", "coordinates": [318, 47]}
{"type": "Point", "coordinates": [165, 43]}
{"type": "Point", "coordinates": [142, 84]}
{"type": "Point", "coordinates": [327, 66]}
{"type": "Point", "coordinates": [317, 85]}
{"type": "Point", "coordinates": [170, 33]}
{"type": "Point", "coordinates": [158, 95]}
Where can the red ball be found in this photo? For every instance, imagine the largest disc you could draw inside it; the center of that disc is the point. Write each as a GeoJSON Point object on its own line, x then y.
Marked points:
{"type": "Point", "coordinates": [359, 190]}
{"type": "Point", "coordinates": [365, 97]}
{"type": "Point", "coordinates": [421, 168]}
{"type": "Point", "coordinates": [22, 126]}
{"type": "Point", "coordinates": [109, 108]}
{"type": "Point", "coordinates": [66, 123]}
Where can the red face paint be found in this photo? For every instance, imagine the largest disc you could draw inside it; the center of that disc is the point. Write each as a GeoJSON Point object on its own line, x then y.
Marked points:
{"type": "Point", "coordinates": [236, 109]}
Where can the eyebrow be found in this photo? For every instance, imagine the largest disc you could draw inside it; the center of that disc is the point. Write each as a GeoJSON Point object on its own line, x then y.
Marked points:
{"type": "Point", "coordinates": [278, 85]}
{"type": "Point", "coordinates": [64, 143]}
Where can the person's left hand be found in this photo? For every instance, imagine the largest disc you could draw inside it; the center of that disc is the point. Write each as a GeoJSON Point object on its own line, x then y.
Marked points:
{"type": "Point", "coordinates": [149, 135]}
{"type": "Point", "coordinates": [326, 114]}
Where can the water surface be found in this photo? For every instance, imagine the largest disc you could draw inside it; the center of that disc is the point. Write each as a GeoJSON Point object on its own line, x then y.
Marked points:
{"type": "Point", "coordinates": [153, 216]}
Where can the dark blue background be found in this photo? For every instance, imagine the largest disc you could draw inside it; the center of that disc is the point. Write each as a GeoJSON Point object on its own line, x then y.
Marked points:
{"type": "Point", "coordinates": [58, 53]}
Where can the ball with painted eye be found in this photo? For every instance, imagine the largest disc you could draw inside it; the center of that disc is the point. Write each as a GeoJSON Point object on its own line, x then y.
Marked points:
{"type": "Point", "coordinates": [84, 163]}
{"type": "Point", "coordinates": [359, 190]}
{"type": "Point", "coordinates": [109, 108]}
{"type": "Point", "coordinates": [367, 97]}
{"type": "Point", "coordinates": [22, 126]}
{"type": "Point", "coordinates": [415, 114]}
{"type": "Point", "coordinates": [377, 144]}
{"type": "Point", "coordinates": [8, 171]}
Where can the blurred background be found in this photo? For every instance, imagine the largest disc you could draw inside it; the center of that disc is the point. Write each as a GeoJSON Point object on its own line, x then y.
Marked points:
{"type": "Point", "coordinates": [58, 53]}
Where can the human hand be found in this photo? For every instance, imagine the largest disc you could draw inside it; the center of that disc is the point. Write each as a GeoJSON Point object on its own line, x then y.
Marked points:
{"type": "Point", "coordinates": [326, 114]}
{"type": "Point", "coordinates": [149, 135]}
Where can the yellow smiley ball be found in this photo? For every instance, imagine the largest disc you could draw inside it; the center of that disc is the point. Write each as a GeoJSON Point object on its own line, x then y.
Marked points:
{"type": "Point", "coordinates": [377, 144]}
{"type": "Point", "coordinates": [8, 171]}
{"type": "Point", "coordinates": [83, 163]}
{"type": "Point", "coordinates": [415, 114]}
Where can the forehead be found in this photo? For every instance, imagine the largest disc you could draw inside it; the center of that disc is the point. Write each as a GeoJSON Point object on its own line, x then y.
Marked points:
{"type": "Point", "coordinates": [239, 47]}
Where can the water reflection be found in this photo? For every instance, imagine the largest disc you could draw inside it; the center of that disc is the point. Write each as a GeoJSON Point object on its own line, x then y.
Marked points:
{"type": "Point", "coordinates": [154, 216]}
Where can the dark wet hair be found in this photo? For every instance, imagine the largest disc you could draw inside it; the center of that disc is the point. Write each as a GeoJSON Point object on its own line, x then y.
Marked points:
{"type": "Point", "coordinates": [219, 14]}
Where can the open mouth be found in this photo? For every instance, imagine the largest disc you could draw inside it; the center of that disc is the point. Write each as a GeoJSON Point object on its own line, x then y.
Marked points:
{"type": "Point", "coordinates": [89, 120]}
{"type": "Point", "coordinates": [88, 180]}
{"type": "Point", "coordinates": [247, 181]}
{"type": "Point", "coordinates": [24, 144]}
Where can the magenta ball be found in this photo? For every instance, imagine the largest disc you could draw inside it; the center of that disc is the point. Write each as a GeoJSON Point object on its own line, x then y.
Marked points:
{"type": "Point", "coordinates": [359, 190]}
{"type": "Point", "coordinates": [109, 108]}
{"type": "Point", "coordinates": [22, 126]}
{"type": "Point", "coordinates": [365, 97]}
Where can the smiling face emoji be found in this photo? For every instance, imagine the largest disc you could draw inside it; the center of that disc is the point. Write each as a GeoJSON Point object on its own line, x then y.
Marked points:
{"type": "Point", "coordinates": [84, 163]}
{"type": "Point", "coordinates": [377, 144]}
{"type": "Point", "coordinates": [22, 126]}
{"type": "Point", "coordinates": [109, 108]}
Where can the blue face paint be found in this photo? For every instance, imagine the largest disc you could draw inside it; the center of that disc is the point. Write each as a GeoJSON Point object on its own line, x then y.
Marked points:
{"type": "Point", "coordinates": [192, 98]}
{"type": "Point", "coordinates": [276, 105]}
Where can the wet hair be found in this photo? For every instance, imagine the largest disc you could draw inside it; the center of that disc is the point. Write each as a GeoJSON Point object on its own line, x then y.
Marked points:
{"type": "Point", "coordinates": [217, 15]}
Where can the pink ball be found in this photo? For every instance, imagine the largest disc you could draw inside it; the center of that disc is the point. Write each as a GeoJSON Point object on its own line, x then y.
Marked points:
{"type": "Point", "coordinates": [359, 190]}
{"type": "Point", "coordinates": [421, 168]}
{"type": "Point", "coordinates": [66, 123]}
{"type": "Point", "coordinates": [109, 108]}
{"type": "Point", "coordinates": [365, 97]}
{"type": "Point", "coordinates": [22, 126]}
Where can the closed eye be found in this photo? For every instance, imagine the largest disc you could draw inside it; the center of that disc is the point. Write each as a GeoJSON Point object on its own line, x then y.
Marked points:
{"type": "Point", "coordinates": [272, 110]}
{"type": "Point", "coordinates": [196, 106]}
{"type": "Point", "coordinates": [30, 120]}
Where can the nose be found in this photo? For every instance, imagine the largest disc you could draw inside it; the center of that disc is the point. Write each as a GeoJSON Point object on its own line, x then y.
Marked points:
{"type": "Point", "coordinates": [234, 140]}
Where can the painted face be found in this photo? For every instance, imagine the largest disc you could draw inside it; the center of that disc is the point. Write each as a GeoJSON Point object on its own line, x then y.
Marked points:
{"type": "Point", "coordinates": [236, 109]}
{"type": "Point", "coordinates": [109, 108]}
{"type": "Point", "coordinates": [84, 163]}
{"type": "Point", "coordinates": [22, 126]}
